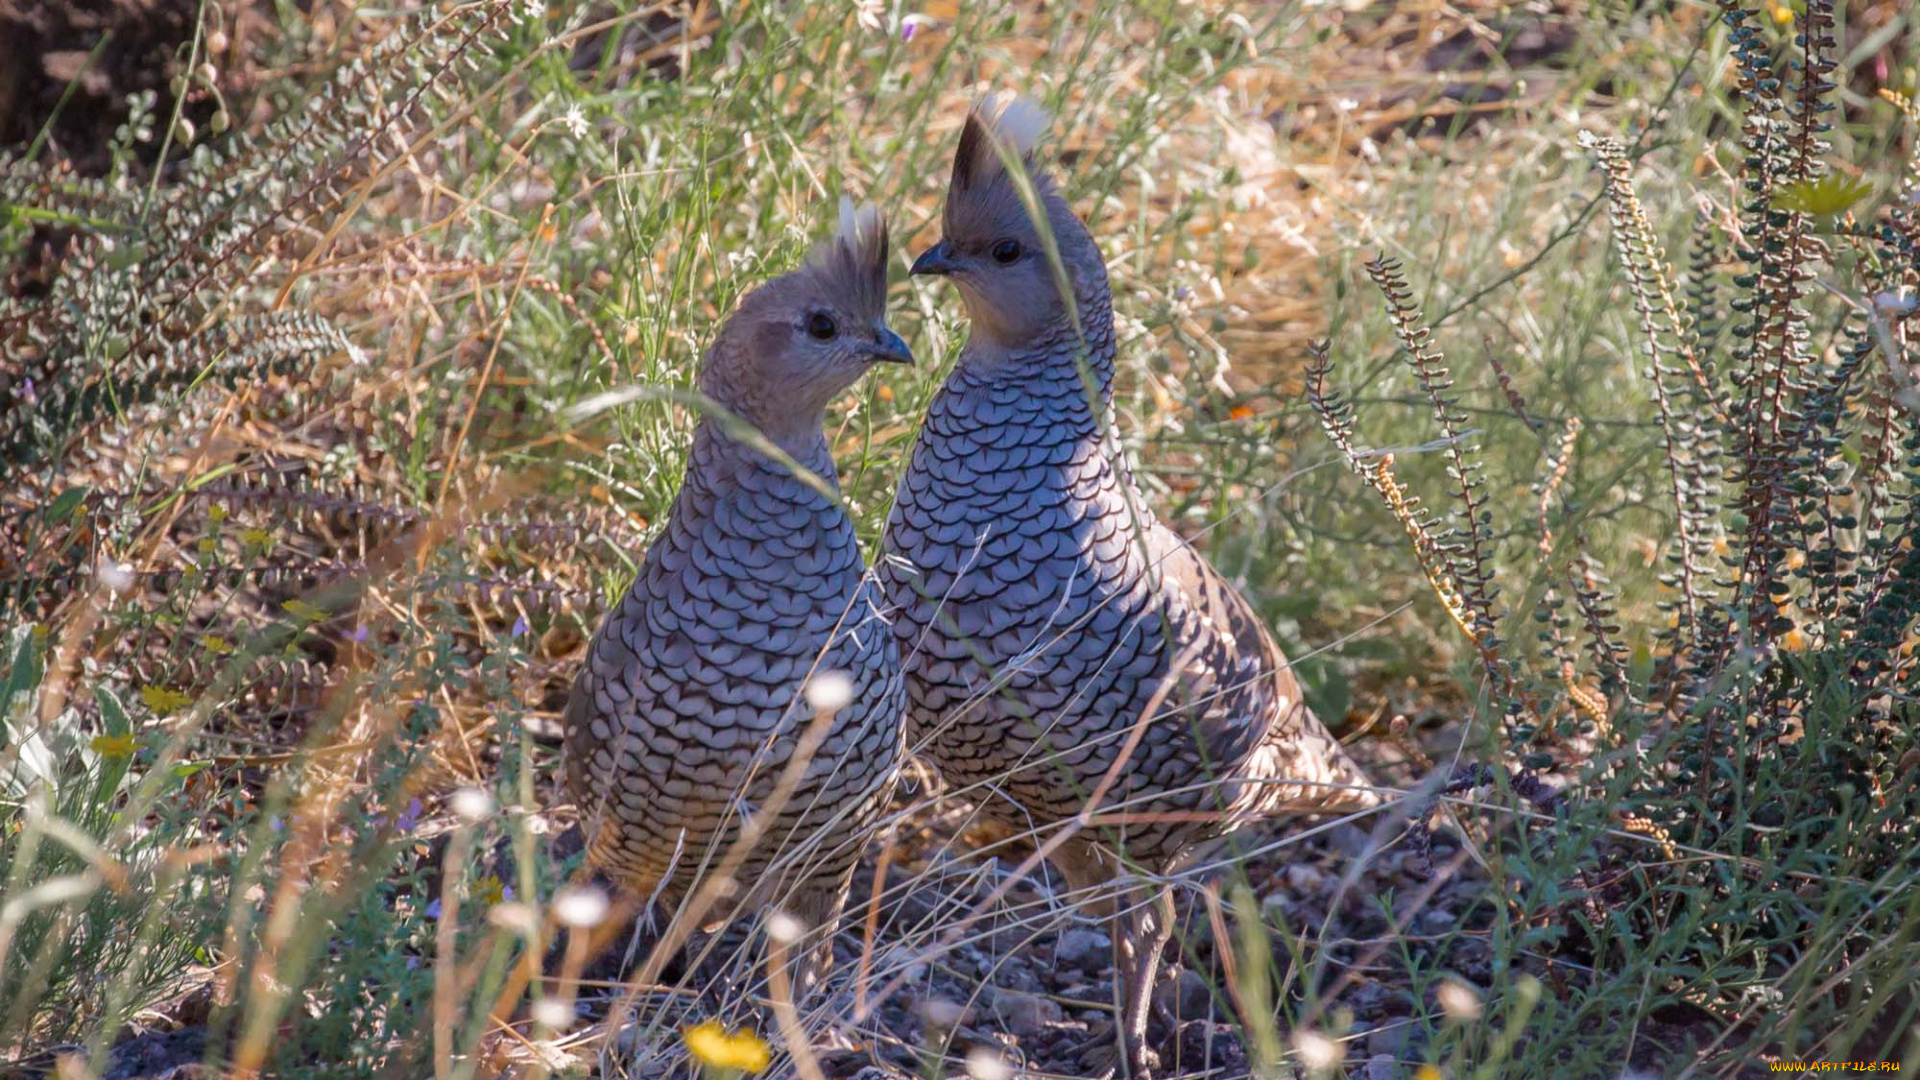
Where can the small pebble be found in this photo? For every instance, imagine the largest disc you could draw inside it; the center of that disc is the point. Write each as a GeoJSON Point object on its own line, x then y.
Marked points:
{"type": "Point", "coordinates": [1185, 995]}
{"type": "Point", "coordinates": [1023, 1014]}
{"type": "Point", "coordinates": [1305, 880]}
{"type": "Point", "coordinates": [1382, 1067]}
{"type": "Point", "coordinates": [1083, 948]}
{"type": "Point", "coordinates": [1389, 1041]}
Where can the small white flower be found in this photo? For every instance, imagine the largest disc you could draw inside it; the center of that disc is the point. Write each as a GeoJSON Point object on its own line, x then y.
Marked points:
{"type": "Point", "coordinates": [984, 1064]}
{"type": "Point", "coordinates": [1318, 1053]}
{"type": "Point", "coordinates": [943, 1014]}
{"type": "Point", "coordinates": [575, 122]}
{"type": "Point", "coordinates": [581, 906]}
{"type": "Point", "coordinates": [869, 13]}
{"type": "Point", "coordinates": [1901, 302]}
{"type": "Point", "coordinates": [784, 928]}
{"type": "Point", "coordinates": [829, 691]}
{"type": "Point", "coordinates": [472, 804]}
{"type": "Point", "coordinates": [519, 918]}
{"type": "Point", "coordinates": [551, 1012]}
{"type": "Point", "coordinates": [1459, 1001]}
{"type": "Point", "coordinates": [535, 10]}
{"type": "Point", "coordinates": [117, 576]}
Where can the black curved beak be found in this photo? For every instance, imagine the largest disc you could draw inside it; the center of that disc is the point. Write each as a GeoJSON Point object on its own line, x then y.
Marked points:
{"type": "Point", "coordinates": [937, 260]}
{"type": "Point", "coordinates": [889, 347]}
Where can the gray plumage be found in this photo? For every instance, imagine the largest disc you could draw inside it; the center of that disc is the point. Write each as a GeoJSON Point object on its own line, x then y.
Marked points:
{"type": "Point", "coordinates": [690, 702]}
{"type": "Point", "coordinates": [1039, 604]}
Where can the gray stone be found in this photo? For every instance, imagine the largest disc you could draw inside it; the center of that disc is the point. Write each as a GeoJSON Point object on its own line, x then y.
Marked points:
{"type": "Point", "coordinates": [1186, 995]}
{"type": "Point", "coordinates": [1382, 1067]}
{"type": "Point", "coordinates": [1082, 948]}
{"type": "Point", "coordinates": [1390, 1039]}
{"type": "Point", "coordinates": [1023, 1014]}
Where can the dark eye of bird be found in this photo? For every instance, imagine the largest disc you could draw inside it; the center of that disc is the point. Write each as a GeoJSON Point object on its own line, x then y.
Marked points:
{"type": "Point", "coordinates": [1006, 251]}
{"type": "Point", "coordinates": [820, 325]}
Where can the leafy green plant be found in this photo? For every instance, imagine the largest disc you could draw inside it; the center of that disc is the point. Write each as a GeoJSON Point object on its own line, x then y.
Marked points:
{"type": "Point", "coordinates": [1761, 861]}
{"type": "Point", "coordinates": [99, 916]}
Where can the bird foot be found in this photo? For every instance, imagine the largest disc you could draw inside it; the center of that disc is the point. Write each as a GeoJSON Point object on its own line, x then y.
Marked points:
{"type": "Point", "coordinates": [1106, 1060]}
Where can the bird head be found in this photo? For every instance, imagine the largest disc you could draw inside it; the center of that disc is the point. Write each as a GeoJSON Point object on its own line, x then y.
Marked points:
{"type": "Point", "coordinates": [799, 341]}
{"type": "Point", "coordinates": [995, 248]}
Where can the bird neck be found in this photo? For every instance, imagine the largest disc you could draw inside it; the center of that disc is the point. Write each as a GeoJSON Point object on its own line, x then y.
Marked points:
{"type": "Point", "coordinates": [1074, 352]}
{"type": "Point", "coordinates": [723, 452]}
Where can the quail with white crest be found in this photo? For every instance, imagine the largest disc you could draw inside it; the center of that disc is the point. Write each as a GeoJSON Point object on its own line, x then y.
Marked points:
{"type": "Point", "coordinates": [1057, 639]}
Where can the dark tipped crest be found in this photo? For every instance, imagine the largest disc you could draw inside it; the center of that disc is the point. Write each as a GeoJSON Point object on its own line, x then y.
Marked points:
{"type": "Point", "coordinates": [999, 128]}
{"type": "Point", "coordinates": [851, 265]}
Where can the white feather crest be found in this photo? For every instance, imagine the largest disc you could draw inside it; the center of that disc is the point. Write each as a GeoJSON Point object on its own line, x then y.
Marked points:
{"type": "Point", "coordinates": [858, 224]}
{"type": "Point", "coordinates": [853, 261]}
{"type": "Point", "coordinates": [1019, 122]}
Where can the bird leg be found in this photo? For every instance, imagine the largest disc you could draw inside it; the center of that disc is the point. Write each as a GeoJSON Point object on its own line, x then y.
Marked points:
{"type": "Point", "coordinates": [1139, 917]}
{"type": "Point", "coordinates": [1140, 933]}
{"type": "Point", "coordinates": [710, 955]}
{"type": "Point", "coordinates": [817, 906]}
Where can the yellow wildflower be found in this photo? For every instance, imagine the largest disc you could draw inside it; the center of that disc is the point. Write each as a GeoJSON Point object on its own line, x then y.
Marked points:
{"type": "Point", "coordinates": [216, 644]}
{"type": "Point", "coordinates": [256, 537]}
{"type": "Point", "coordinates": [115, 746]}
{"type": "Point", "coordinates": [303, 611]}
{"type": "Point", "coordinates": [216, 513]}
{"type": "Point", "coordinates": [1427, 1072]}
{"type": "Point", "coordinates": [163, 700]}
{"type": "Point", "coordinates": [490, 890]}
{"type": "Point", "coordinates": [1830, 194]}
{"type": "Point", "coordinates": [739, 1051]}
{"type": "Point", "coordinates": [1782, 14]}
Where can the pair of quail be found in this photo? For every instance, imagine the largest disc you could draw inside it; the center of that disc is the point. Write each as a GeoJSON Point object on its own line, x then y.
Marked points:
{"type": "Point", "coordinates": [1030, 628]}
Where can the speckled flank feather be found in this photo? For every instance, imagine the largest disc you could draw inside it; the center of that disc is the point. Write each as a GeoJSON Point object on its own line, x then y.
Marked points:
{"type": "Point", "coordinates": [1040, 607]}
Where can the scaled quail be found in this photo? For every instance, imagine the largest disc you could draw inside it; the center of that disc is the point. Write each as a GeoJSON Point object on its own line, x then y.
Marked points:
{"type": "Point", "coordinates": [1040, 607]}
{"type": "Point", "coordinates": [691, 701]}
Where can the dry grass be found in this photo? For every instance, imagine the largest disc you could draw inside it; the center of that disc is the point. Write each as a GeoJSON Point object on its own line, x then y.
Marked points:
{"type": "Point", "coordinates": [411, 549]}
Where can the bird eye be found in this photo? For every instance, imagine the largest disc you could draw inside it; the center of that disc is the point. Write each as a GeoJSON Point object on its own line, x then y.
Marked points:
{"type": "Point", "coordinates": [820, 325]}
{"type": "Point", "coordinates": [1006, 251]}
